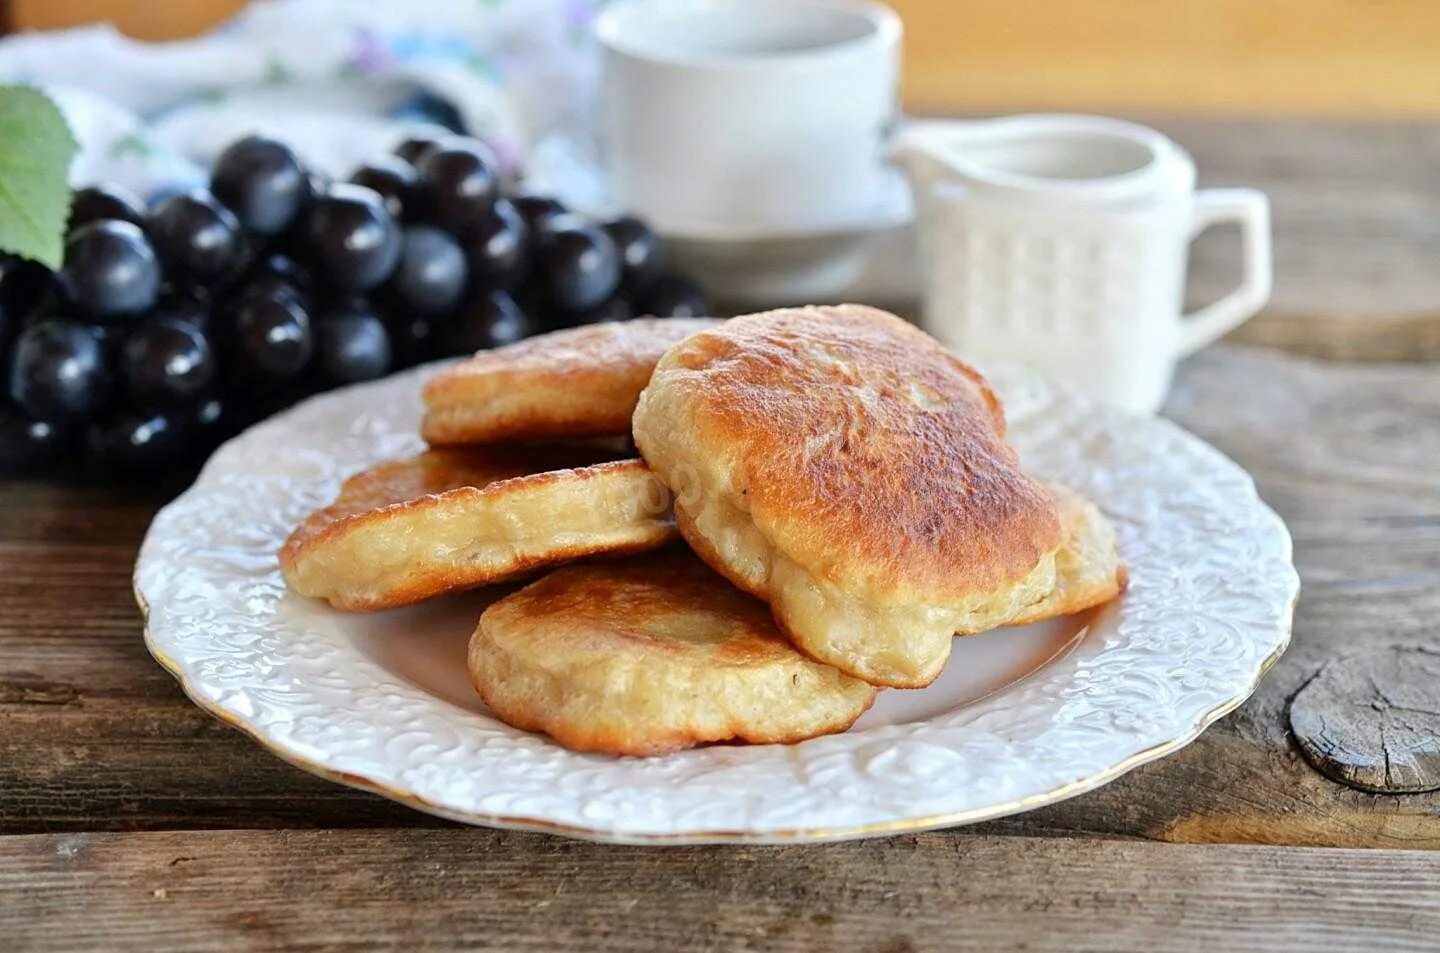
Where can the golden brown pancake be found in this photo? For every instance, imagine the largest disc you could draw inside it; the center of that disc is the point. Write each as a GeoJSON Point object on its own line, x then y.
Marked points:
{"type": "Point", "coordinates": [652, 654]}
{"type": "Point", "coordinates": [1088, 570]}
{"type": "Point", "coordinates": [455, 519]}
{"type": "Point", "coordinates": [843, 465]}
{"type": "Point", "coordinates": [581, 382]}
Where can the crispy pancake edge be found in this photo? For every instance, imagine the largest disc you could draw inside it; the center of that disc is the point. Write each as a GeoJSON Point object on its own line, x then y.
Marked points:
{"type": "Point", "coordinates": [579, 382]}
{"type": "Point", "coordinates": [361, 554]}
{"type": "Point", "coordinates": [1088, 569]}
{"type": "Point", "coordinates": [574, 656]}
{"type": "Point", "coordinates": [859, 447]}
{"type": "Point", "coordinates": [779, 486]}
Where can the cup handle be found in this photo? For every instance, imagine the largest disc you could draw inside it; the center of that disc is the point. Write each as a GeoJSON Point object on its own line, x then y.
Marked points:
{"type": "Point", "coordinates": [1251, 209]}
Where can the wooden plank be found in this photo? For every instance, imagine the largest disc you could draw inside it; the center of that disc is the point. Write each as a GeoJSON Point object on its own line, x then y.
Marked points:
{"type": "Point", "coordinates": [1373, 721]}
{"type": "Point", "coordinates": [1356, 210]}
{"type": "Point", "coordinates": [93, 735]}
{"type": "Point", "coordinates": [1348, 455]}
{"type": "Point", "coordinates": [92, 731]}
{"type": "Point", "coordinates": [495, 890]}
{"type": "Point", "coordinates": [1299, 57]}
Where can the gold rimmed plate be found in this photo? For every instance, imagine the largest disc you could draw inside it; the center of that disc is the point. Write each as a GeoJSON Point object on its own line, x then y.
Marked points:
{"type": "Point", "coordinates": [1020, 718]}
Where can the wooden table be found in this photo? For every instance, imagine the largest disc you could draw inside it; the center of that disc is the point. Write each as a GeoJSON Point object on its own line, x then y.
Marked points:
{"type": "Point", "coordinates": [131, 819]}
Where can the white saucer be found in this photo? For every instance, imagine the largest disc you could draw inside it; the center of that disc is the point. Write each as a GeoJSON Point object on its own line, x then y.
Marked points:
{"type": "Point", "coordinates": [864, 258]}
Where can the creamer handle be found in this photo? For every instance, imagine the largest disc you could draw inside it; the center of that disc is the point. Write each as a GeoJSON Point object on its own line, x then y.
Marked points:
{"type": "Point", "coordinates": [1251, 209]}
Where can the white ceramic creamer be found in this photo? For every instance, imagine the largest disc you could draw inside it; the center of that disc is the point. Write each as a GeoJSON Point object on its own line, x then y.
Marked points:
{"type": "Point", "coordinates": [1061, 242]}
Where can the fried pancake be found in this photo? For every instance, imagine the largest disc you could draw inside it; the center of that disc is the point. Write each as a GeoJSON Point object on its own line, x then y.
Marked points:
{"type": "Point", "coordinates": [581, 382]}
{"type": "Point", "coordinates": [652, 654]}
{"type": "Point", "coordinates": [1088, 570]}
{"type": "Point", "coordinates": [455, 519]}
{"type": "Point", "coordinates": [843, 465]}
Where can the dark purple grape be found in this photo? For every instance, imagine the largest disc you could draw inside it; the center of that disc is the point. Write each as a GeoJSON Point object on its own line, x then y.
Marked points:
{"type": "Point", "coordinates": [317, 185]}
{"type": "Point", "coordinates": [136, 443]}
{"type": "Point", "coordinates": [353, 242]}
{"type": "Point", "coordinates": [455, 185]}
{"type": "Point", "coordinates": [639, 252]}
{"type": "Point", "coordinates": [578, 265]}
{"type": "Point", "coordinates": [187, 307]}
{"type": "Point", "coordinates": [278, 273]}
{"type": "Point", "coordinates": [110, 269]}
{"type": "Point", "coordinates": [353, 345]}
{"type": "Point", "coordinates": [112, 340]}
{"type": "Point", "coordinates": [95, 202]}
{"type": "Point", "coordinates": [198, 238]}
{"type": "Point", "coordinates": [319, 182]}
{"type": "Point", "coordinates": [263, 183]}
{"type": "Point", "coordinates": [478, 146]}
{"type": "Point", "coordinates": [614, 309]}
{"type": "Point", "coordinates": [498, 246]}
{"type": "Point", "coordinates": [163, 193]}
{"type": "Point", "coordinates": [491, 320]}
{"type": "Point", "coordinates": [207, 416]}
{"type": "Point", "coordinates": [58, 372]}
{"type": "Point", "coordinates": [428, 108]}
{"type": "Point", "coordinates": [245, 406]}
{"type": "Point", "coordinates": [285, 267]}
{"type": "Point", "coordinates": [671, 296]}
{"type": "Point", "coordinates": [272, 340]}
{"type": "Point", "coordinates": [414, 338]}
{"type": "Point", "coordinates": [416, 148]}
{"type": "Point", "coordinates": [166, 363]}
{"type": "Point", "coordinates": [24, 286]}
{"type": "Point", "coordinates": [206, 424]}
{"type": "Point", "coordinates": [194, 310]}
{"type": "Point", "coordinates": [393, 179]}
{"type": "Point", "coordinates": [432, 274]}
{"type": "Point", "coordinates": [537, 210]}
{"type": "Point", "coordinates": [28, 447]}
{"type": "Point", "coordinates": [208, 412]}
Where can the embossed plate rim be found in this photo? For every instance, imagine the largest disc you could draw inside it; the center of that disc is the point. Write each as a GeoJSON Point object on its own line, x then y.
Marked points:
{"type": "Point", "coordinates": [1037, 412]}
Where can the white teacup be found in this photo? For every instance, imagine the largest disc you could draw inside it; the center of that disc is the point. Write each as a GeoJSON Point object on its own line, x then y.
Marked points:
{"type": "Point", "coordinates": [1061, 242]}
{"type": "Point", "coordinates": [740, 118]}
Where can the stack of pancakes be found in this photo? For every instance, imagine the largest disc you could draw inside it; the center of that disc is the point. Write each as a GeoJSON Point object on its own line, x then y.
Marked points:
{"type": "Point", "coordinates": [842, 482]}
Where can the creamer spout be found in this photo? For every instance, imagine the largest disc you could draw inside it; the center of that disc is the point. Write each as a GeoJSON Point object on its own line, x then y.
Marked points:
{"type": "Point", "coordinates": [927, 150]}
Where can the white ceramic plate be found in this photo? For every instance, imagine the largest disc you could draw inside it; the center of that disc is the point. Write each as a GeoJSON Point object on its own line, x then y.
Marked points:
{"type": "Point", "coordinates": [1020, 718]}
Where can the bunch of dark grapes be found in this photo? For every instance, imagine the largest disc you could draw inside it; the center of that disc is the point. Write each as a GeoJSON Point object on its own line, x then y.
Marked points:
{"type": "Point", "coordinates": [171, 327]}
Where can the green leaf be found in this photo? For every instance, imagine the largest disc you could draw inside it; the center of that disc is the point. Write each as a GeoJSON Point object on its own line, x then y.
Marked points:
{"type": "Point", "coordinates": [36, 147]}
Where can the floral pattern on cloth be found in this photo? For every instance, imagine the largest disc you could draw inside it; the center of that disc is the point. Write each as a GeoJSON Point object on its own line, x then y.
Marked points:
{"type": "Point", "coordinates": [339, 80]}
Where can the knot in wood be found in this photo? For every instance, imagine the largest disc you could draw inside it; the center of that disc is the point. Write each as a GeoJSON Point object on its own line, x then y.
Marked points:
{"type": "Point", "coordinates": [1373, 721]}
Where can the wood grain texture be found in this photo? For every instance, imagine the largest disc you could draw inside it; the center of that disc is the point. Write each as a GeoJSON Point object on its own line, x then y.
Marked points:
{"type": "Point", "coordinates": [93, 735]}
{"type": "Point", "coordinates": [1301, 57]}
{"type": "Point", "coordinates": [1347, 454]}
{"type": "Point", "coordinates": [92, 731]}
{"type": "Point", "coordinates": [1372, 721]}
{"type": "Point", "coordinates": [505, 891]}
{"type": "Point", "coordinates": [1356, 209]}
